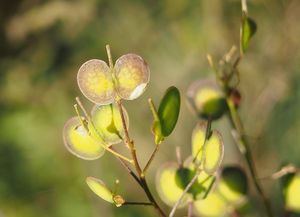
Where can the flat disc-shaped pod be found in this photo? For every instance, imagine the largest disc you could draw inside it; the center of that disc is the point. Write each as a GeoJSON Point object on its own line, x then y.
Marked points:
{"type": "Point", "coordinates": [213, 152]}
{"type": "Point", "coordinates": [95, 82]}
{"type": "Point", "coordinates": [198, 138]}
{"type": "Point", "coordinates": [292, 192]}
{"type": "Point", "coordinates": [132, 76]}
{"type": "Point", "coordinates": [166, 185]}
{"type": "Point", "coordinates": [212, 206]}
{"type": "Point", "coordinates": [79, 142]}
{"type": "Point", "coordinates": [233, 185]}
{"type": "Point", "coordinates": [108, 123]}
{"type": "Point", "coordinates": [206, 99]}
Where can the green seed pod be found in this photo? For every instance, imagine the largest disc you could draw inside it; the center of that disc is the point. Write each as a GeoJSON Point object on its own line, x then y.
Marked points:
{"type": "Point", "coordinates": [291, 190]}
{"type": "Point", "coordinates": [206, 99]}
{"type": "Point", "coordinates": [167, 187]}
{"type": "Point", "coordinates": [100, 189]}
{"type": "Point", "coordinates": [95, 82]}
{"type": "Point", "coordinates": [79, 141]}
{"type": "Point", "coordinates": [233, 185]}
{"type": "Point", "coordinates": [108, 123]}
{"type": "Point", "coordinates": [132, 76]}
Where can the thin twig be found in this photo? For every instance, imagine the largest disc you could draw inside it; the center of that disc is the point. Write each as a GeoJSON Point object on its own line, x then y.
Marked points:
{"type": "Point", "coordinates": [178, 156]}
{"type": "Point", "coordinates": [150, 159]}
{"type": "Point", "coordinates": [138, 203]}
{"type": "Point", "coordinates": [244, 6]}
{"type": "Point", "coordinates": [190, 209]}
{"type": "Point", "coordinates": [188, 187]}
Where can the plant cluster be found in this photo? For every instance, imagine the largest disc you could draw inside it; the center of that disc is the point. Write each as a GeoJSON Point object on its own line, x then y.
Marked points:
{"type": "Point", "coordinates": [198, 181]}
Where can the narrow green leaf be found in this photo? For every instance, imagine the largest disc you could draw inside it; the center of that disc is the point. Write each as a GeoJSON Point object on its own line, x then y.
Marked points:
{"type": "Point", "coordinates": [248, 29]}
{"type": "Point", "coordinates": [168, 111]}
{"type": "Point", "coordinates": [156, 126]}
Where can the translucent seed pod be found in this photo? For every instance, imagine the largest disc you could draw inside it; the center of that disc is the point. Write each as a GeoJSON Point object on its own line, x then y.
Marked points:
{"type": "Point", "coordinates": [132, 76]}
{"type": "Point", "coordinates": [166, 185]}
{"type": "Point", "coordinates": [108, 123]}
{"type": "Point", "coordinates": [95, 82]}
{"type": "Point", "coordinates": [213, 152]}
{"type": "Point", "coordinates": [233, 185]}
{"type": "Point", "coordinates": [198, 138]}
{"type": "Point", "coordinates": [100, 189]}
{"type": "Point", "coordinates": [292, 192]}
{"type": "Point", "coordinates": [213, 206]}
{"type": "Point", "coordinates": [206, 99]}
{"type": "Point", "coordinates": [79, 142]}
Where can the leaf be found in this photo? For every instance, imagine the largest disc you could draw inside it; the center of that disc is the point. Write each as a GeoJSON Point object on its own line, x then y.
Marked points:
{"type": "Point", "coordinates": [167, 187]}
{"type": "Point", "coordinates": [95, 82]}
{"type": "Point", "coordinates": [248, 29]}
{"type": "Point", "coordinates": [108, 123]}
{"type": "Point", "coordinates": [168, 110]}
{"type": "Point", "coordinates": [233, 185]}
{"type": "Point", "coordinates": [132, 76]}
{"type": "Point", "coordinates": [213, 151]}
{"type": "Point", "coordinates": [79, 142]}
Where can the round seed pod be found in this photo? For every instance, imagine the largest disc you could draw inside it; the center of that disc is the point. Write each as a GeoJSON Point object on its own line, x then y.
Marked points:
{"type": "Point", "coordinates": [95, 82]}
{"type": "Point", "coordinates": [233, 185]}
{"type": "Point", "coordinates": [166, 185]}
{"type": "Point", "coordinates": [79, 142]}
{"type": "Point", "coordinates": [206, 99]}
{"type": "Point", "coordinates": [132, 76]}
{"type": "Point", "coordinates": [108, 123]}
{"type": "Point", "coordinates": [291, 190]}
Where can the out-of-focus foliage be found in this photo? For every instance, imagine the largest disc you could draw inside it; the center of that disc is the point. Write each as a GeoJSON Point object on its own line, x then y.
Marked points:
{"type": "Point", "coordinates": [43, 43]}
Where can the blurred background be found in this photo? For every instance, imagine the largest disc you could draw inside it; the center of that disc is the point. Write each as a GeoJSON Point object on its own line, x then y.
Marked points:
{"type": "Point", "coordinates": [42, 45]}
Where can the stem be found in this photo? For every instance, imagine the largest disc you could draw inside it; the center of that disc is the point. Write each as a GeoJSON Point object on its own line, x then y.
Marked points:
{"type": "Point", "coordinates": [151, 159]}
{"type": "Point", "coordinates": [138, 203]}
{"type": "Point", "coordinates": [237, 124]}
{"type": "Point", "coordinates": [130, 144]}
{"type": "Point", "coordinates": [188, 187]}
{"type": "Point", "coordinates": [244, 6]}
{"type": "Point", "coordinates": [190, 209]}
{"type": "Point", "coordinates": [178, 156]}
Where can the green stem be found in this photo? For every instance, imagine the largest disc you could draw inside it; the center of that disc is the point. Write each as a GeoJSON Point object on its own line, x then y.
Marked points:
{"type": "Point", "coordinates": [237, 124]}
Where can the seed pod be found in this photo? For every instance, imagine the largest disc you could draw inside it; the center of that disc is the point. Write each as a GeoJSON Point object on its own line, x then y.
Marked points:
{"type": "Point", "coordinates": [79, 142]}
{"type": "Point", "coordinates": [95, 82]}
{"type": "Point", "coordinates": [132, 76]}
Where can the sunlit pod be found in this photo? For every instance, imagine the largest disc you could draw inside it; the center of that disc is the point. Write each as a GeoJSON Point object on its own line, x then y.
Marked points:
{"type": "Point", "coordinates": [213, 206]}
{"type": "Point", "coordinates": [100, 189]}
{"type": "Point", "coordinates": [95, 82]}
{"type": "Point", "coordinates": [79, 142]}
{"type": "Point", "coordinates": [166, 185]}
{"type": "Point", "coordinates": [108, 123]}
{"type": "Point", "coordinates": [213, 151]}
{"type": "Point", "coordinates": [292, 193]}
{"type": "Point", "coordinates": [206, 99]}
{"type": "Point", "coordinates": [198, 138]}
{"type": "Point", "coordinates": [233, 185]}
{"type": "Point", "coordinates": [132, 76]}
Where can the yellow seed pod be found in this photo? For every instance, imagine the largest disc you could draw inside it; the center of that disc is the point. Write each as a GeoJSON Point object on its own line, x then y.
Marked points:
{"type": "Point", "coordinates": [212, 206]}
{"type": "Point", "coordinates": [166, 185]}
{"type": "Point", "coordinates": [100, 189]}
{"type": "Point", "coordinates": [213, 152]}
{"type": "Point", "coordinates": [79, 142]}
{"type": "Point", "coordinates": [132, 76]}
{"type": "Point", "coordinates": [206, 99]}
{"type": "Point", "coordinates": [108, 123]}
{"type": "Point", "coordinates": [198, 138]}
{"type": "Point", "coordinates": [233, 185]}
{"type": "Point", "coordinates": [95, 82]}
{"type": "Point", "coordinates": [292, 193]}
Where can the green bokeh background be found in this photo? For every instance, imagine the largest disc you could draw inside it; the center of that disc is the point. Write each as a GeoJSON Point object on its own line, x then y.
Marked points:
{"type": "Point", "coordinates": [42, 45]}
